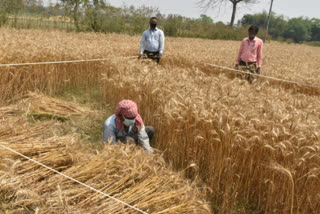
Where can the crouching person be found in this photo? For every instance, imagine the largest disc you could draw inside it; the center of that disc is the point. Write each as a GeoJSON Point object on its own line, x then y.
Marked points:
{"type": "Point", "coordinates": [126, 125]}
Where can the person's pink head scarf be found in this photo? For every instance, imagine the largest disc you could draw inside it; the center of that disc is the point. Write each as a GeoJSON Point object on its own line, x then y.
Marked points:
{"type": "Point", "coordinates": [128, 109]}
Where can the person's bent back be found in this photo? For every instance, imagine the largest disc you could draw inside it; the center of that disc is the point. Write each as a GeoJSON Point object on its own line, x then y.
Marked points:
{"type": "Point", "coordinates": [127, 126]}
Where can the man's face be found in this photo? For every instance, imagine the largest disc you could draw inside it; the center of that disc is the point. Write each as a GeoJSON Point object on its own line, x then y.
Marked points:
{"type": "Point", "coordinates": [153, 23]}
{"type": "Point", "coordinates": [128, 121]}
{"type": "Point", "coordinates": [252, 34]}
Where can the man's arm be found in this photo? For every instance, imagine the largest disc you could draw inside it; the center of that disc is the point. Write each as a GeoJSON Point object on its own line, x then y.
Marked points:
{"type": "Point", "coordinates": [240, 52]}
{"type": "Point", "coordinates": [142, 44]}
{"type": "Point", "coordinates": [144, 139]}
{"type": "Point", "coordinates": [259, 55]}
{"type": "Point", "coordinates": [161, 50]}
{"type": "Point", "coordinates": [108, 135]}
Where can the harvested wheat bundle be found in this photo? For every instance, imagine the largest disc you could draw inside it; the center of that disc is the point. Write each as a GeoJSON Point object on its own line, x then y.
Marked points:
{"type": "Point", "coordinates": [8, 110]}
{"type": "Point", "coordinates": [123, 171]}
{"type": "Point", "coordinates": [10, 115]}
{"type": "Point", "coordinates": [38, 147]}
{"type": "Point", "coordinates": [37, 104]}
{"type": "Point", "coordinates": [10, 125]}
{"type": "Point", "coordinates": [23, 133]}
{"type": "Point", "coordinates": [14, 199]}
{"type": "Point", "coordinates": [19, 175]}
{"type": "Point", "coordinates": [127, 173]}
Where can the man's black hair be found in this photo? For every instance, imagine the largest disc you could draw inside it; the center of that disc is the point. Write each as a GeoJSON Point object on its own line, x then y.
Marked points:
{"type": "Point", "coordinates": [254, 28]}
{"type": "Point", "coordinates": [153, 18]}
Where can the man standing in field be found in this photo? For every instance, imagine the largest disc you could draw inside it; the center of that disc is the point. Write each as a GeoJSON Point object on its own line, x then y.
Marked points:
{"type": "Point", "coordinates": [152, 41]}
{"type": "Point", "coordinates": [127, 126]}
{"type": "Point", "coordinates": [250, 54]}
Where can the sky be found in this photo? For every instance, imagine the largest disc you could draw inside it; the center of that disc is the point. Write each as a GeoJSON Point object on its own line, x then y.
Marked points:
{"type": "Point", "coordinates": [189, 8]}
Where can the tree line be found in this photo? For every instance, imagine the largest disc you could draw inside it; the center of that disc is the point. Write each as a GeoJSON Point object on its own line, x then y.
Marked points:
{"type": "Point", "coordinates": [98, 16]}
{"type": "Point", "coordinates": [297, 29]}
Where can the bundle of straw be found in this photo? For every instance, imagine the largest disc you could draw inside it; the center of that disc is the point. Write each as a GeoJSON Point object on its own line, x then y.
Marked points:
{"type": "Point", "coordinates": [38, 104]}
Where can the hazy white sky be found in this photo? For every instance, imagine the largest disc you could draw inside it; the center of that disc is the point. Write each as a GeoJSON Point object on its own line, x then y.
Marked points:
{"type": "Point", "coordinates": [288, 8]}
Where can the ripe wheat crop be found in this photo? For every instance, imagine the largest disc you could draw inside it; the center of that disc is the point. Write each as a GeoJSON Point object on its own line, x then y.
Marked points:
{"type": "Point", "coordinates": [256, 146]}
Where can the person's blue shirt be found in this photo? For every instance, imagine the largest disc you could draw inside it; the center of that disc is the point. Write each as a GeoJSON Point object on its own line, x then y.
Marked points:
{"type": "Point", "coordinates": [152, 40]}
{"type": "Point", "coordinates": [112, 134]}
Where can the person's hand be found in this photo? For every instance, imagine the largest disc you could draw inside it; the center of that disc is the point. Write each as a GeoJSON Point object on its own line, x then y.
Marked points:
{"type": "Point", "coordinates": [237, 66]}
{"type": "Point", "coordinates": [160, 55]}
{"type": "Point", "coordinates": [258, 70]}
{"type": "Point", "coordinates": [140, 55]}
{"type": "Point", "coordinates": [150, 150]}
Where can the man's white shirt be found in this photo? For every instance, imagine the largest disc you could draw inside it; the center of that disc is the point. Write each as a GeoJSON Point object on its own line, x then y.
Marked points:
{"type": "Point", "coordinates": [152, 40]}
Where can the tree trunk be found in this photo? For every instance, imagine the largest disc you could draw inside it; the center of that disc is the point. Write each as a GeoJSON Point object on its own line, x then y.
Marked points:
{"type": "Point", "coordinates": [75, 15]}
{"type": "Point", "coordinates": [95, 15]}
{"type": "Point", "coordinates": [234, 9]}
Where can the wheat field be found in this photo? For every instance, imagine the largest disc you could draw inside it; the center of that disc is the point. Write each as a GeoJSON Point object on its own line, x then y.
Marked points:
{"type": "Point", "coordinates": [256, 147]}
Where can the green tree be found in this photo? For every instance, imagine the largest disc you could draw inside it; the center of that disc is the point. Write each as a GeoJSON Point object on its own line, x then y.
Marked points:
{"type": "Point", "coordinates": [315, 29]}
{"type": "Point", "coordinates": [73, 6]}
{"type": "Point", "coordinates": [258, 19]}
{"type": "Point", "coordinates": [172, 24]}
{"type": "Point", "coordinates": [140, 18]}
{"type": "Point", "coordinates": [298, 29]}
{"type": "Point", "coordinates": [206, 19]}
{"type": "Point", "coordinates": [114, 20]}
{"type": "Point", "coordinates": [94, 14]}
{"type": "Point", "coordinates": [31, 5]}
{"type": "Point", "coordinates": [10, 7]}
{"type": "Point", "coordinates": [277, 23]}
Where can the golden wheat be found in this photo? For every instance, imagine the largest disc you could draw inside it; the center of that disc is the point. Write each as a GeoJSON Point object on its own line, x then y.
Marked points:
{"type": "Point", "coordinates": [241, 137]}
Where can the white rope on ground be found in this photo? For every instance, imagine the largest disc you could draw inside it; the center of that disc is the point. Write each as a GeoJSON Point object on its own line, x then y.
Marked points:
{"type": "Point", "coordinates": [267, 77]}
{"type": "Point", "coordinates": [58, 62]}
{"type": "Point", "coordinates": [47, 63]}
{"type": "Point", "coordinates": [143, 57]}
{"type": "Point", "coordinates": [131, 57]}
{"type": "Point", "coordinates": [83, 184]}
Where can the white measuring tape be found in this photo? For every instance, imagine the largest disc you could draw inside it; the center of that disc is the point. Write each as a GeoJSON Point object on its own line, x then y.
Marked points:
{"type": "Point", "coordinates": [66, 176]}
{"type": "Point", "coordinates": [59, 62]}
{"type": "Point", "coordinates": [131, 57]}
{"type": "Point", "coordinates": [48, 63]}
{"type": "Point", "coordinates": [267, 77]}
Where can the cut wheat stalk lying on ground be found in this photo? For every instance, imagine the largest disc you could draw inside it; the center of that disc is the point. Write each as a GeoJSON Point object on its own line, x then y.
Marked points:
{"type": "Point", "coordinates": [35, 103]}
{"type": "Point", "coordinates": [143, 181]}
